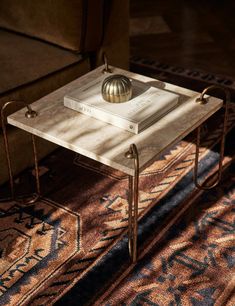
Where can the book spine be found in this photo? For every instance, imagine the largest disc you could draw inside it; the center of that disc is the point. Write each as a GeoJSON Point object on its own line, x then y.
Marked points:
{"type": "Point", "coordinates": [100, 115]}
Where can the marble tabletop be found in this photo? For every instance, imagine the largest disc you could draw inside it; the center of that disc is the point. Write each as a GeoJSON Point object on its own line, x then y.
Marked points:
{"type": "Point", "coordinates": [106, 143]}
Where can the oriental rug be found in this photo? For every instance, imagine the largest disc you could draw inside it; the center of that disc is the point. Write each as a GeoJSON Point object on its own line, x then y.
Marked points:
{"type": "Point", "coordinates": [70, 248]}
{"type": "Point", "coordinates": [194, 264]}
{"type": "Point", "coordinates": [195, 79]}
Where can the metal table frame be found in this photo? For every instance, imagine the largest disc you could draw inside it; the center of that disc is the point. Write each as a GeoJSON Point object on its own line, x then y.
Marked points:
{"type": "Point", "coordinates": [132, 153]}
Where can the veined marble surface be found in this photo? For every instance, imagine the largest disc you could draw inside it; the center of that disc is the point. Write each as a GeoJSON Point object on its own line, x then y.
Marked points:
{"type": "Point", "coordinates": [106, 143]}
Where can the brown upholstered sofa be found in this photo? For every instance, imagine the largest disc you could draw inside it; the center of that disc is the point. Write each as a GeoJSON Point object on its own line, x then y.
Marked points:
{"type": "Point", "coordinates": [48, 43]}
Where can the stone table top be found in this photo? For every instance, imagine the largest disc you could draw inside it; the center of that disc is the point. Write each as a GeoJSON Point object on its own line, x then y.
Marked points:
{"type": "Point", "coordinates": [104, 142]}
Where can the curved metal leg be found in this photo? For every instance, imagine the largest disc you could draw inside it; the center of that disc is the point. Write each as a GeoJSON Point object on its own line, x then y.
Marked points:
{"type": "Point", "coordinates": [202, 100]}
{"type": "Point", "coordinates": [6, 147]}
{"type": "Point", "coordinates": [133, 203]}
{"type": "Point", "coordinates": [29, 114]}
{"type": "Point", "coordinates": [130, 217]}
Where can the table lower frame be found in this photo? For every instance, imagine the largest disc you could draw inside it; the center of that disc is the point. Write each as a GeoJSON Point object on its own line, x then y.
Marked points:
{"type": "Point", "coordinates": [132, 153]}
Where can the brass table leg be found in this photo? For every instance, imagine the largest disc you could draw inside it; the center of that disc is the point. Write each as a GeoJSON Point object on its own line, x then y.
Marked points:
{"type": "Point", "coordinates": [106, 65]}
{"type": "Point", "coordinates": [133, 203]}
{"type": "Point", "coordinates": [203, 100]}
{"type": "Point", "coordinates": [29, 114]}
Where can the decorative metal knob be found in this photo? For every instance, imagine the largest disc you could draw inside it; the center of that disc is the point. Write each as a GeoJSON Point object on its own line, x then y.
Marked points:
{"type": "Point", "coordinates": [116, 88]}
{"type": "Point", "coordinates": [30, 112]}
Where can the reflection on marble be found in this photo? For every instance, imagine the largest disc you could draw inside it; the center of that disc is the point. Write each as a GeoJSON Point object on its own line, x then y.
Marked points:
{"type": "Point", "coordinates": [104, 142]}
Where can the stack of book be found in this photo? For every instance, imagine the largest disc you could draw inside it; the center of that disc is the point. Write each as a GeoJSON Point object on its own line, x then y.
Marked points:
{"type": "Point", "coordinates": [147, 105]}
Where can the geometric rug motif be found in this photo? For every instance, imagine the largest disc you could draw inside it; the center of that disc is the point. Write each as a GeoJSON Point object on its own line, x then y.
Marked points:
{"type": "Point", "coordinates": [100, 199]}
{"type": "Point", "coordinates": [108, 198]}
{"type": "Point", "coordinates": [109, 222]}
{"type": "Point", "coordinates": [103, 205]}
{"type": "Point", "coordinates": [194, 265]}
{"type": "Point", "coordinates": [36, 241]}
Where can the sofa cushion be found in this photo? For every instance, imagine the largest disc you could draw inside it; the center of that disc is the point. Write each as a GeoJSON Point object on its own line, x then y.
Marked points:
{"type": "Point", "coordinates": [72, 24]}
{"type": "Point", "coordinates": [31, 69]}
{"type": "Point", "coordinates": [23, 60]}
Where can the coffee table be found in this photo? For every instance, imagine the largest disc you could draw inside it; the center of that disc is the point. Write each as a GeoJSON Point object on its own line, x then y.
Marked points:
{"type": "Point", "coordinates": [130, 153]}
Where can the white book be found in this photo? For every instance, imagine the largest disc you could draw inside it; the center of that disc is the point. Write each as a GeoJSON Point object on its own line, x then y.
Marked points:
{"type": "Point", "coordinates": [147, 105]}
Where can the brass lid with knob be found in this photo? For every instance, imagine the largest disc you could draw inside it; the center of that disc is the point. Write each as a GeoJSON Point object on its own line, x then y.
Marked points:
{"type": "Point", "coordinates": [116, 88]}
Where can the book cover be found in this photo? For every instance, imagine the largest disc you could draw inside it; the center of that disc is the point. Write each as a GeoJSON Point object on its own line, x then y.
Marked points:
{"type": "Point", "coordinates": [148, 104]}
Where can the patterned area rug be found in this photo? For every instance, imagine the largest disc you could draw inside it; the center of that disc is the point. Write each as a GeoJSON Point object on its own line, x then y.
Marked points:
{"type": "Point", "coordinates": [194, 264]}
{"type": "Point", "coordinates": [68, 253]}
{"type": "Point", "coordinates": [36, 240]}
{"type": "Point", "coordinates": [195, 79]}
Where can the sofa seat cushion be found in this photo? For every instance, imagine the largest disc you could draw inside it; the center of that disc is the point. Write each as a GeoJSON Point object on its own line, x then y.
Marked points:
{"type": "Point", "coordinates": [24, 60]}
